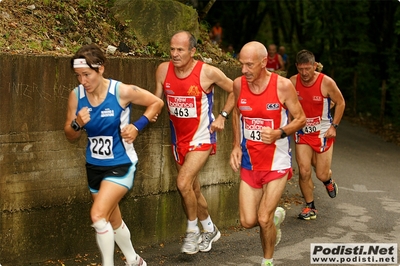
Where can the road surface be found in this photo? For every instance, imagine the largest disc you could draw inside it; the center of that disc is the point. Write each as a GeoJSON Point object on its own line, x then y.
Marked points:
{"type": "Point", "coordinates": [366, 210]}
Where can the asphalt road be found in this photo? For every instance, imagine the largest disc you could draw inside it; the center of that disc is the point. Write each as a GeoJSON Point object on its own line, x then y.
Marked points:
{"type": "Point", "coordinates": [366, 210]}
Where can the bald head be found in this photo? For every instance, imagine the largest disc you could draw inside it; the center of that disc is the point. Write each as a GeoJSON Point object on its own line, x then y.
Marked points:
{"type": "Point", "coordinates": [253, 58]}
{"type": "Point", "coordinates": [255, 50]}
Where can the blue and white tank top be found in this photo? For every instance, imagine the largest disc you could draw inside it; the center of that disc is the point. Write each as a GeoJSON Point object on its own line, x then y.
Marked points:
{"type": "Point", "coordinates": [105, 145]}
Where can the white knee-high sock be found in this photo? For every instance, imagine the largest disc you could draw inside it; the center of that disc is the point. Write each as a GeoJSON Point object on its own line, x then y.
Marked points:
{"type": "Point", "coordinates": [122, 237]}
{"type": "Point", "coordinates": [105, 241]}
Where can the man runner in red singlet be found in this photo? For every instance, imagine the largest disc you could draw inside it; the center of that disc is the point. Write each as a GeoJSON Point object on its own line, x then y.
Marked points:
{"type": "Point", "coordinates": [275, 61]}
{"type": "Point", "coordinates": [261, 147]}
{"type": "Point", "coordinates": [314, 142]}
{"type": "Point", "coordinates": [188, 87]}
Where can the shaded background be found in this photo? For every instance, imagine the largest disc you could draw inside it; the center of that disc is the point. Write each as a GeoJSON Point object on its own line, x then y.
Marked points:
{"type": "Point", "coordinates": [357, 41]}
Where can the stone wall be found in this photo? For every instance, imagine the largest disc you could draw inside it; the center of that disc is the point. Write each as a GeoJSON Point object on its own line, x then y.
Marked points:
{"type": "Point", "coordinates": [44, 198]}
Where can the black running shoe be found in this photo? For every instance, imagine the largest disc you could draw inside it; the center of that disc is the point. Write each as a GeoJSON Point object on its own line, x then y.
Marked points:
{"type": "Point", "coordinates": [332, 189]}
{"type": "Point", "coordinates": [307, 213]}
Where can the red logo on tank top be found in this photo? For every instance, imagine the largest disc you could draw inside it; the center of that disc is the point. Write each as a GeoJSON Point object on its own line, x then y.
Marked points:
{"type": "Point", "coordinates": [193, 91]}
{"type": "Point", "coordinates": [317, 98]}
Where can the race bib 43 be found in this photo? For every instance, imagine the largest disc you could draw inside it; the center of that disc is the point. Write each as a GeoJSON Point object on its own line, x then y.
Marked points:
{"type": "Point", "coordinates": [252, 127]}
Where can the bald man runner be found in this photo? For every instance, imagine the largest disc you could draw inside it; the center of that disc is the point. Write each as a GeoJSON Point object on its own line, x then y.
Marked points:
{"type": "Point", "coordinates": [261, 150]}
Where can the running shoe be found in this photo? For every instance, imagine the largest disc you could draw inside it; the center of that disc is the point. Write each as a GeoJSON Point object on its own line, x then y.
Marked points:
{"type": "Point", "coordinates": [267, 263]}
{"type": "Point", "coordinates": [208, 238]}
{"type": "Point", "coordinates": [191, 243]}
{"type": "Point", "coordinates": [139, 262]}
{"type": "Point", "coordinates": [332, 189]}
{"type": "Point", "coordinates": [308, 213]}
{"type": "Point", "coordinates": [279, 216]}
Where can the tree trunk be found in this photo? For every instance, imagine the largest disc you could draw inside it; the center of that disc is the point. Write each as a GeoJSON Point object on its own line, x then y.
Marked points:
{"type": "Point", "coordinates": [383, 102]}
{"type": "Point", "coordinates": [205, 10]}
{"type": "Point", "coordinates": [355, 78]}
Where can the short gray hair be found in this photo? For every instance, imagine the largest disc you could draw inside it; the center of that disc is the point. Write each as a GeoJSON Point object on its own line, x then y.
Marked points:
{"type": "Point", "coordinates": [192, 39]}
{"type": "Point", "coordinates": [304, 57]}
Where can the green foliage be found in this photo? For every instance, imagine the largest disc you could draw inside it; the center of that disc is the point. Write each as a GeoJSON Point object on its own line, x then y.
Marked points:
{"type": "Point", "coordinates": [393, 73]}
{"type": "Point", "coordinates": [85, 3]}
{"type": "Point", "coordinates": [59, 25]}
{"type": "Point", "coordinates": [356, 41]}
{"type": "Point", "coordinates": [164, 55]}
{"type": "Point", "coordinates": [397, 30]}
{"type": "Point", "coordinates": [47, 45]}
{"type": "Point", "coordinates": [2, 42]}
{"type": "Point", "coordinates": [35, 46]}
{"type": "Point", "coordinates": [394, 87]}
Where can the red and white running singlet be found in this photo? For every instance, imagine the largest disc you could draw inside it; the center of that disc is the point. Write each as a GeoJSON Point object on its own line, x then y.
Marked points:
{"type": "Point", "coordinates": [318, 113]}
{"type": "Point", "coordinates": [258, 111]}
{"type": "Point", "coordinates": [273, 63]}
{"type": "Point", "coordinates": [189, 108]}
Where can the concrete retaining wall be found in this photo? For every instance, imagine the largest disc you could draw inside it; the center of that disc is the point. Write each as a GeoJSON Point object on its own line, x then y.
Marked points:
{"type": "Point", "coordinates": [44, 200]}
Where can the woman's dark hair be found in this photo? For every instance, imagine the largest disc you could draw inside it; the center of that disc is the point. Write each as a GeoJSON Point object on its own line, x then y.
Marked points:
{"type": "Point", "coordinates": [92, 54]}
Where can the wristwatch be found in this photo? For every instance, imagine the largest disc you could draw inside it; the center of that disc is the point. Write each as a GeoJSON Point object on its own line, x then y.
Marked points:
{"type": "Point", "coordinates": [334, 125]}
{"type": "Point", "coordinates": [224, 114]}
{"type": "Point", "coordinates": [283, 135]}
{"type": "Point", "coordinates": [75, 126]}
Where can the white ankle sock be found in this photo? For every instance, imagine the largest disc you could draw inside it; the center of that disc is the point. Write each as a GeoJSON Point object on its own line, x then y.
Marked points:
{"type": "Point", "coordinates": [122, 237]}
{"type": "Point", "coordinates": [105, 241]}
{"type": "Point", "coordinates": [192, 226]}
{"type": "Point", "coordinates": [207, 224]}
{"type": "Point", "coordinates": [267, 260]}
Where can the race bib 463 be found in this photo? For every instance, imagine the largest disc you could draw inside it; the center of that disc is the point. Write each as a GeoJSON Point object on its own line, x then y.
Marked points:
{"type": "Point", "coordinates": [182, 106]}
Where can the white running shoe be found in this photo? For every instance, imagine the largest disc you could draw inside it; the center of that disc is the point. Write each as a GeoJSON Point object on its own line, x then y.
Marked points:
{"type": "Point", "coordinates": [139, 262]}
{"type": "Point", "coordinates": [278, 219]}
{"type": "Point", "coordinates": [191, 243]}
{"type": "Point", "coordinates": [208, 239]}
